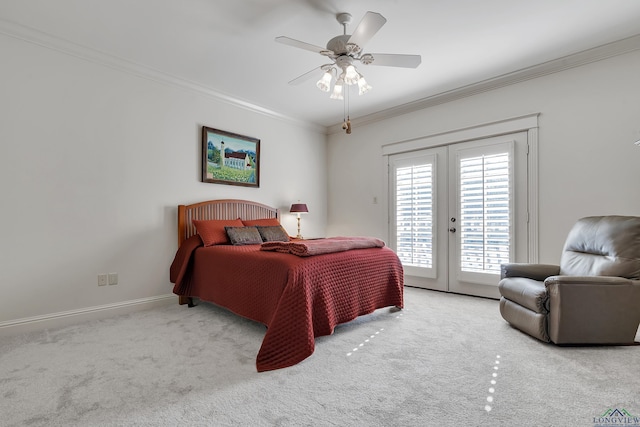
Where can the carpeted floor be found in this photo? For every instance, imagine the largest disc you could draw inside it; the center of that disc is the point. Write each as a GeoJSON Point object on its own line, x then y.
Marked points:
{"type": "Point", "coordinates": [446, 360]}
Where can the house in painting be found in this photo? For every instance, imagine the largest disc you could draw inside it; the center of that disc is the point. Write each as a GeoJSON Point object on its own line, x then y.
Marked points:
{"type": "Point", "coordinates": [236, 160]}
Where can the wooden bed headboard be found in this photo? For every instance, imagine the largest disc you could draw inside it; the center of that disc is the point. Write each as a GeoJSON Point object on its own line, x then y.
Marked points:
{"type": "Point", "coordinates": [220, 209]}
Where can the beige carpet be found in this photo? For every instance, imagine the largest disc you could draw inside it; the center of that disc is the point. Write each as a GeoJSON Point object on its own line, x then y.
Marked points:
{"type": "Point", "coordinates": [446, 360]}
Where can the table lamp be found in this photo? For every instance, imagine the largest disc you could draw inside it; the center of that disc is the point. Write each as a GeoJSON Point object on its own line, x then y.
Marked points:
{"type": "Point", "coordinates": [298, 208]}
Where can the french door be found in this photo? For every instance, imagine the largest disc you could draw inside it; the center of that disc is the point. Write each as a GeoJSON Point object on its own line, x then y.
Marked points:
{"type": "Point", "coordinates": [459, 211]}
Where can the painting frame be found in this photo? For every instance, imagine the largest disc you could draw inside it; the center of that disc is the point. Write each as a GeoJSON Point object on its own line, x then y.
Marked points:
{"type": "Point", "coordinates": [230, 158]}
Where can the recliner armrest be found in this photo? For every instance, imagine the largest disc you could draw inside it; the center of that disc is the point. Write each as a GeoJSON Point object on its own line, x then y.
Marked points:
{"type": "Point", "coordinates": [586, 280]}
{"type": "Point", "coordinates": [593, 309]}
{"type": "Point", "coordinates": [530, 271]}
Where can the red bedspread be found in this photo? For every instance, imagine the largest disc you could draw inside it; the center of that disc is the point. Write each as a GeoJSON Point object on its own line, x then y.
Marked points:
{"type": "Point", "coordinates": [297, 298]}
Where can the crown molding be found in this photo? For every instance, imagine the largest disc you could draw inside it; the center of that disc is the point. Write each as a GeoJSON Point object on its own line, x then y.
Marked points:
{"type": "Point", "coordinates": [39, 38]}
{"type": "Point", "coordinates": [578, 59]}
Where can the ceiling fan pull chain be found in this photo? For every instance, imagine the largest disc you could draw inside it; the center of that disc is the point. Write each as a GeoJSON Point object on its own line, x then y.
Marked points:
{"type": "Point", "coordinates": [344, 109]}
{"type": "Point", "coordinates": [347, 123]}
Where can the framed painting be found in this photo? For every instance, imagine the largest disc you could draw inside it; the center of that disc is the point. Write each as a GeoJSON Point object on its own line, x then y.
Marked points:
{"type": "Point", "coordinates": [229, 158]}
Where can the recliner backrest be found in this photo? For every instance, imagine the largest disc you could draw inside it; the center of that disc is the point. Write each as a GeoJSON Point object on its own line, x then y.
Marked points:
{"type": "Point", "coordinates": [603, 246]}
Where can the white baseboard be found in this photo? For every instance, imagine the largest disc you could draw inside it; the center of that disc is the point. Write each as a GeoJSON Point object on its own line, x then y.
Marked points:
{"type": "Point", "coordinates": [65, 318]}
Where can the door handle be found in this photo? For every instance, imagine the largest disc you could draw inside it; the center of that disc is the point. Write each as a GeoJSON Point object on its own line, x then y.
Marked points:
{"type": "Point", "coordinates": [452, 230]}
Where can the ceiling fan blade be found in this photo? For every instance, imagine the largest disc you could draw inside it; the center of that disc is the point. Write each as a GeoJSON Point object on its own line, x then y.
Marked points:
{"type": "Point", "coordinates": [302, 45]}
{"type": "Point", "coordinates": [306, 76]}
{"type": "Point", "coordinates": [367, 28]}
{"type": "Point", "coordinates": [396, 60]}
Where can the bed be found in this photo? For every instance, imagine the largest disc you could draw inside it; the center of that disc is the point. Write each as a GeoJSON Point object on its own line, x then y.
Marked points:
{"type": "Point", "coordinates": [297, 297]}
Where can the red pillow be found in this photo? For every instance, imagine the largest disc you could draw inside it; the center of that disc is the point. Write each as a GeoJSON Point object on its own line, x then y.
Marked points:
{"type": "Point", "coordinates": [263, 222]}
{"type": "Point", "coordinates": [212, 231]}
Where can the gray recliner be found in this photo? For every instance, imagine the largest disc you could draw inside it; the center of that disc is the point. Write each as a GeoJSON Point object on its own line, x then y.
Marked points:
{"type": "Point", "coordinates": [592, 297]}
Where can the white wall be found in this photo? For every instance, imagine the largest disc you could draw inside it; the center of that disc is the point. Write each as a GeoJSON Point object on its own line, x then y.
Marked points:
{"type": "Point", "coordinates": [93, 163]}
{"type": "Point", "coordinates": [590, 117]}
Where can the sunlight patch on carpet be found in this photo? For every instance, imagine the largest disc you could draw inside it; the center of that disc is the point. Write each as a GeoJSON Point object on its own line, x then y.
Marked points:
{"type": "Point", "coordinates": [492, 389]}
{"type": "Point", "coordinates": [368, 340]}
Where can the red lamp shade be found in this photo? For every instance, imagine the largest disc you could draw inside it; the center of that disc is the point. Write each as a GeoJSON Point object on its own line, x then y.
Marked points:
{"type": "Point", "coordinates": [299, 208]}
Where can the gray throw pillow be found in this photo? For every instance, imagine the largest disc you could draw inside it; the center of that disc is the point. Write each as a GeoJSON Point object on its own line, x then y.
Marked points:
{"type": "Point", "coordinates": [273, 233]}
{"type": "Point", "coordinates": [243, 235]}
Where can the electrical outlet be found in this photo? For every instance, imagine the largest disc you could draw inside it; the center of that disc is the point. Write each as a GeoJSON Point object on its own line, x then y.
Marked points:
{"type": "Point", "coordinates": [103, 279]}
{"type": "Point", "coordinates": [113, 278]}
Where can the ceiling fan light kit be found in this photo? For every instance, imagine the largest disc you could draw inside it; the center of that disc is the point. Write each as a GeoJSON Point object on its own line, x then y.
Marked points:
{"type": "Point", "coordinates": [344, 50]}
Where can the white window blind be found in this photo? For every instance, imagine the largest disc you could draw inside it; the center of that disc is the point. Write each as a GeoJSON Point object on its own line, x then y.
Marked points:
{"type": "Point", "coordinates": [414, 214]}
{"type": "Point", "coordinates": [485, 217]}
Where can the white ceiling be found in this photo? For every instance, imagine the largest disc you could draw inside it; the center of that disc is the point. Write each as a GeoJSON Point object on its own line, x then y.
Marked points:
{"type": "Point", "coordinates": [228, 46]}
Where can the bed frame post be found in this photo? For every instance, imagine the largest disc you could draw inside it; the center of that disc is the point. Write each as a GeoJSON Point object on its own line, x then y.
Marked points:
{"type": "Point", "coordinates": [182, 223]}
{"type": "Point", "coordinates": [182, 300]}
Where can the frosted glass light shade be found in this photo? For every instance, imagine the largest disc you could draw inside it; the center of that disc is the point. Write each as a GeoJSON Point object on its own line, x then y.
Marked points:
{"type": "Point", "coordinates": [337, 91]}
{"type": "Point", "coordinates": [325, 82]}
{"type": "Point", "coordinates": [363, 86]}
{"type": "Point", "coordinates": [351, 75]}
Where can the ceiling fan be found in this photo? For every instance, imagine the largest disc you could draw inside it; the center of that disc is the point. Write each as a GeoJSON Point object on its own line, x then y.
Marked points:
{"type": "Point", "coordinates": [346, 49]}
